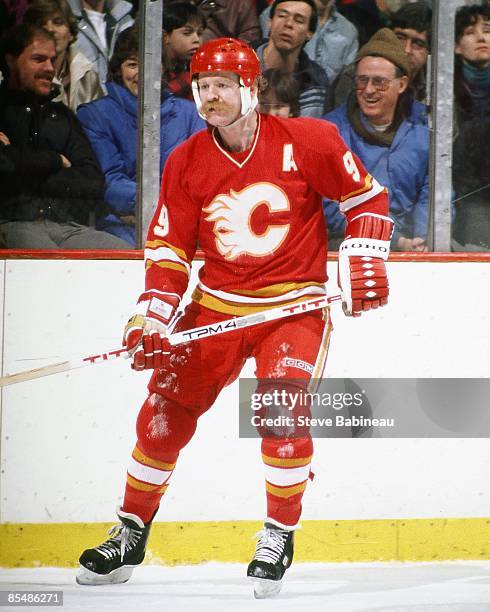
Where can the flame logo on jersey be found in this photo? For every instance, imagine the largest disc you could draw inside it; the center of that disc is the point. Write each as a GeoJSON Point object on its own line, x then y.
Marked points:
{"type": "Point", "coordinates": [232, 216]}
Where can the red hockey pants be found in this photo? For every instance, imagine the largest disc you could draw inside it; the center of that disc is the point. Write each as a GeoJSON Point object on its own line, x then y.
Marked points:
{"type": "Point", "coordinates": [188, 385]}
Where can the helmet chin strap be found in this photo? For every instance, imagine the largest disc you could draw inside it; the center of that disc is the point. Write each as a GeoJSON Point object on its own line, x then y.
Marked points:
{"type": "Point", "coordinates": [248, 100]}
{"type": "Point", "coordinates": [197, 98]}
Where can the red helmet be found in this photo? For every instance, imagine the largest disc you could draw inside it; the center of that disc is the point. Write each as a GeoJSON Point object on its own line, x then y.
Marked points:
{"type": "Point", "coordinates": [227, 55]}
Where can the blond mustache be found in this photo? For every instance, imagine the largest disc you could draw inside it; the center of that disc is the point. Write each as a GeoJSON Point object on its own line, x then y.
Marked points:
{"type": "Point", "coordinates": [217, 107]}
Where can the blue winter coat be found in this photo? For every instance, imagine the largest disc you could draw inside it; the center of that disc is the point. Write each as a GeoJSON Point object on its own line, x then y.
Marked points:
{"type": "Point", "coordinates": [403, 168]}
{"type": "Point", "coordinates": [111, 125]}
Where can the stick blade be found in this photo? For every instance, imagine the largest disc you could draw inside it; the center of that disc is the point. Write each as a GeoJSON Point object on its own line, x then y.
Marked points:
{"type": "Point", "coordinates": [54, 368]}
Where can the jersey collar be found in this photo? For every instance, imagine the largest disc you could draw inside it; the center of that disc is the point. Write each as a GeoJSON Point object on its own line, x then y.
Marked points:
{"type": "Point", "coordinates": [251, 150]}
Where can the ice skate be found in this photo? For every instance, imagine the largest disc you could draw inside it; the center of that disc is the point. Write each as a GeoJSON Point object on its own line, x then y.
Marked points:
{"type": "Point", "coordinates": [273, 556]}
{"type": "Point", "coordinates": [113, 561]}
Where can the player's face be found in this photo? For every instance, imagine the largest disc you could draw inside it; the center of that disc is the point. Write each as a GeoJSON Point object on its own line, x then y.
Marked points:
{"type": "Point", "coordinates": [474, 44]}
{"type": "Point", "coordinates": [290, 26]}
{"type": "Point", "coordinates": [59, 28]}
{"type": "Point", "coordinates": [378, 89]}
{"type": "Point", "coordinates": [183, 42]}
{"type": "Point", "coordinates": [33, 70]}
{"type": "Point", "coordinates": [416, 46]}
{"type": "Point", "coordinates": [220, 97]}
{"type": "Point", "coordinates": [129, 74]}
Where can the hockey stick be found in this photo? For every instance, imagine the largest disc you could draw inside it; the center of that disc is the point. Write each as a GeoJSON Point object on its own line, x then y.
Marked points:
{"type": "Point", "coordinates": [196, 333]}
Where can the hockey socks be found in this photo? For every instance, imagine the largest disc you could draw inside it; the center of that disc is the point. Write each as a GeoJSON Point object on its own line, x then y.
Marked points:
{"type": "Point", "coordinates": [287, 469]}
{"type": "Point", "coordinates": [147, 481]}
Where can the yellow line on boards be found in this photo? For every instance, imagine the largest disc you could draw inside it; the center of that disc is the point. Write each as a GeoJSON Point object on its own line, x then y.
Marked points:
{"type": "Point", "coordinates": [60, 544]}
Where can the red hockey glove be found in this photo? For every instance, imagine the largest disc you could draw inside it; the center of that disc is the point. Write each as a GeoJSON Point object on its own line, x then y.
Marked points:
{"type": "Point", "coordinates": [145, 335]}
{"type": "Point", "coordinates": [362, 272]}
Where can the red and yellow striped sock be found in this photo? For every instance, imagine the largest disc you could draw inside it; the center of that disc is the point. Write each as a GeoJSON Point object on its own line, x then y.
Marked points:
{"type": "Point", "coordinates": [287, 469]}
{"type": "Point", "coordinates": [147, 480]}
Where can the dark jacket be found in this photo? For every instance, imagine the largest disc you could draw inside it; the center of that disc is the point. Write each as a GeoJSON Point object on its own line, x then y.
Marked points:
{"type": "Point", "coordinates": [34, 182]}
{"type": "Point", "coordinates": [235, 18]}
{"type": "Point", "coordinates": [365, 16]}
{"type": "Point", "coordinates": [471, 182]}
{"type": "Point", "coordinates": [111, 125]}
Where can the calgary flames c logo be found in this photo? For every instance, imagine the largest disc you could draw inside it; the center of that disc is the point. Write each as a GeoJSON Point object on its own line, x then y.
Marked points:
{"type": "Point", "coordinates": [232, 216]}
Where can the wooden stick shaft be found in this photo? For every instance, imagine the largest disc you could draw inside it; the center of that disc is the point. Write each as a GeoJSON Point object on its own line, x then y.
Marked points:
{"type": "Point", "coordinates": [54, 368]}
{"type": "Point", "coordinates": [62, 366]}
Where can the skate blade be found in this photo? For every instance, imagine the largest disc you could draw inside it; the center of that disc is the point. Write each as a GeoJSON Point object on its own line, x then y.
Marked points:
{"type": "Point", "coordinates": [264, 588]}
{"type": "Point", "coordinates": [117, 576]}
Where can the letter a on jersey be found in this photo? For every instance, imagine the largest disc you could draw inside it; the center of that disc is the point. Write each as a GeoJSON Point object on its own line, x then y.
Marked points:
{"type": "Point", "coordinates": [288, 162]}
{"type": "Point", "coordinates": [232, 214]}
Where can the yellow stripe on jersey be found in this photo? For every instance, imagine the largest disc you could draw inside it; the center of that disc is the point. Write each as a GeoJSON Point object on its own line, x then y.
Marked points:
{"type": "Point", "coordinates": [142, 486]}
{"type": "Point", "coordinates": [285, 491]}
{"type": "Point", "coordinates": [232, 308]}
{"type": "Point", "coordinates": [366, 187]}
{"type": "Point", "coordinates": [160, 465]}
{"type": "Point", "coordinates": [167, 264]}
{"type": "Point", "coordinates": [279, 289]}
{"type": "Point", "coordinates": [286, 462]}
{"type": "Point", "coordinates": [155, 244]}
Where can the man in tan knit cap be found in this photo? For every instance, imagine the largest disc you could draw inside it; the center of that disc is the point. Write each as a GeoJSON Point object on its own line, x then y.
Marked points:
{"type": "Point", "coordinates": [381, 77]}
{"type": "Point", "coordinates": [387, 129]}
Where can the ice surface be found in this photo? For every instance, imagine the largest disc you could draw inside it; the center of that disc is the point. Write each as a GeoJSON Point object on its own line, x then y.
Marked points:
{"type": "Point", "coordinates": [215, 587]}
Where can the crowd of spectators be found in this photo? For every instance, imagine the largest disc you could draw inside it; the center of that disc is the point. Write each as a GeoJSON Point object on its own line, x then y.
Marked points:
{"type": "Point", "coordinates": [51, 181]}
{"type": "Point", "coordinates": [292, 25]}
{"type": "Point", "coordinates": [69, 90]}
{"type": "Point", "coordinates": [111, 126]}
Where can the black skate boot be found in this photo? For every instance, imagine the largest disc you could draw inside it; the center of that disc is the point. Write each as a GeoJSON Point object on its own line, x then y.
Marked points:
{"type": "Point", "coordinates": [113, 561]}
{"type": "Point", "coordinates": [273, 556]}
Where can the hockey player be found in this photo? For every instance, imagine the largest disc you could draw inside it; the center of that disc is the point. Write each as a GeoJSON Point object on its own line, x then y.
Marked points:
{"type": "Point", "coordinates": [248, 190]}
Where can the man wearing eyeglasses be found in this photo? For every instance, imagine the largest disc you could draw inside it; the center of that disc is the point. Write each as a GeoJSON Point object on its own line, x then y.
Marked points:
{"type": "Point", "coordinates": [387, 129]}
{"type": "Point", "coordinates": [412, 25]}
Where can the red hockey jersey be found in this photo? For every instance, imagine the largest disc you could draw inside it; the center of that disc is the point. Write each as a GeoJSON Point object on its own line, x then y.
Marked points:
{"type": "Point", "coordinates": [256, 215]}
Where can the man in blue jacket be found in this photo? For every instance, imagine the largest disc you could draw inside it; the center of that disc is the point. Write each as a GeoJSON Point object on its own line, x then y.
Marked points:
{"type": "Point", "coordinates": [111, 126]}
{"type": "Point", "coordinates": [387, 129]}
